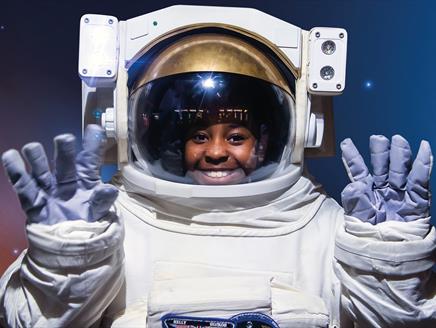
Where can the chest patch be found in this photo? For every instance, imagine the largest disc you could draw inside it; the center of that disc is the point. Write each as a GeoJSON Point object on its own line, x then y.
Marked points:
{"type": "Point", "coordinates": [253, 320]}
{"type": "Point", "coordinates": [242, 320]}
{"type": "Point", "coordinates": [195, 322]}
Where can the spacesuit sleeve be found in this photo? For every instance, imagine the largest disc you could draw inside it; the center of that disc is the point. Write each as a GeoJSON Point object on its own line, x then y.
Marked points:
{"type": "Point", "coordinates": [386, 272]}
{"type": "Point", "coordinates": [67, 277]}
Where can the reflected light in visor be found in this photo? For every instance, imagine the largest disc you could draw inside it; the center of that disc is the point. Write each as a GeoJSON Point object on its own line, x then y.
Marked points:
{"type": "Point", "coordinates": [208, 83]}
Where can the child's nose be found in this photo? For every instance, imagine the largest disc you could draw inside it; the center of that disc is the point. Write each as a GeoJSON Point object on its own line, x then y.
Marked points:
{"type": "Point", "coordinates": [217, 152]}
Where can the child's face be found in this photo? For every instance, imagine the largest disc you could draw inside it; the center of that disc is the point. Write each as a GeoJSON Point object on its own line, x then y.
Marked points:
{"type": "Point", "coordinates": [221, 154]}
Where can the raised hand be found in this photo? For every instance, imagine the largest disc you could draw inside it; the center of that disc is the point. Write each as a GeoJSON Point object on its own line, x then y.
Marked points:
{"type": "Point", "coordinates": [74, 191]}
{"type": "Point", "coordinates": [397, 190]}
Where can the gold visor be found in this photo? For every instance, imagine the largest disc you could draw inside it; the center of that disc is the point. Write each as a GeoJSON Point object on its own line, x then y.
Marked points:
{"type": "Point", "coordinates": [212, 52]}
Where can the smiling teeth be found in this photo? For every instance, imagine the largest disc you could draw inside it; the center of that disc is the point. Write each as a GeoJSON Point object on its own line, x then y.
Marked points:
{"type": "Point", "coordinates": [217, 174]}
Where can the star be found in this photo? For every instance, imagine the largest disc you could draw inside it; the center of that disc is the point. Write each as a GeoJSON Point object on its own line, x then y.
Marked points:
{"type": "Point", "coordinates": [368, 84]}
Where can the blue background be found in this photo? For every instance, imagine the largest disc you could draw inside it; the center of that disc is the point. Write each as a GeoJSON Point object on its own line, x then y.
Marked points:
{"type": "Point", "coordinates": [391, 45]}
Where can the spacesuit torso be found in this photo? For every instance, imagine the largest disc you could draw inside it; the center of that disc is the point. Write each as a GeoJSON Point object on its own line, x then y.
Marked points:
{"type": "Point", "coordinates": [266, 243]}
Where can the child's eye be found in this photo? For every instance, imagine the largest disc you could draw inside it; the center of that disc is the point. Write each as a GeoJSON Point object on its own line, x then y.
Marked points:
{"type": "Point", "coordinates": [236, 138]}
{"type": "Point", "coordinates": [199, 138]}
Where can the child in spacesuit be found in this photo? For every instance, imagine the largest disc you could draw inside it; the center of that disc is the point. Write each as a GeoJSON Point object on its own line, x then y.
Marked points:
{"type": "Point", "coordinates": [211, 223]}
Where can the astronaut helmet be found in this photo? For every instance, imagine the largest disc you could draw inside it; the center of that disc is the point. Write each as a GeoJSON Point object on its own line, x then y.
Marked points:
{"type": "Point", "coordinates": [210, 109]}
{"type": "Point", "coordinates": [215, 102]}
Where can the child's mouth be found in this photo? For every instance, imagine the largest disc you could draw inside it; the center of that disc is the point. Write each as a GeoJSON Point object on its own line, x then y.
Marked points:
{"type": "Point", "coordinates": [217, 174]}
{"type": "Point", "coordinates": [217, 177]}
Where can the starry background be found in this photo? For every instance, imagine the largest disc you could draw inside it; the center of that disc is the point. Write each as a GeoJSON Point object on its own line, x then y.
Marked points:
{"type": "Point", "coordinates": [389, 90]}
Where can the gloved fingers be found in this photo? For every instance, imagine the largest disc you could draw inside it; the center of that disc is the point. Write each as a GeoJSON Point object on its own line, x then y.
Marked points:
{"type": "Point", "coordinates": [353, 161]}
{"type": "Point", "coordinates": [65, 158]}
{"type": "Point", "coordinates": [34, 153]}
{"type": "Point", "coordinates": [419, 176]}
{"type": "Point", "coordinates": [101, 200]}
{"type": "Point", "coordinates": [14, 166]}
{"type": "Point", "coordinates": [90, 158]}
{"type": "Point", "coordinates": [379, 147]}
{"type": "Point", "coordinates": [400, 161]}
{"type": "Point", "coordinates": [26, 187]}
{"type": "Point", "coordinates": [358, 201]}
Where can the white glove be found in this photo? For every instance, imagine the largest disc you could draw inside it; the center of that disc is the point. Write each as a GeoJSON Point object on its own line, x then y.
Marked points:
{"type": "Point", "coordinates": [74, 191]}
{"type": "Point", "coordinates": [397, 190]}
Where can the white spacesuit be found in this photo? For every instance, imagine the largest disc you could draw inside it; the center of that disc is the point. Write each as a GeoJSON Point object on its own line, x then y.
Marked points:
{"type": "Point", "coordinates": [212, 221]}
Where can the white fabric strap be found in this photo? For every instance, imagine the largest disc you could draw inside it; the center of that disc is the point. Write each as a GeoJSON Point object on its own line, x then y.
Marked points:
{"type": "Point", "coordinates": [75, 243]}
{"type": "Point", "coordinates": [391, 247]}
